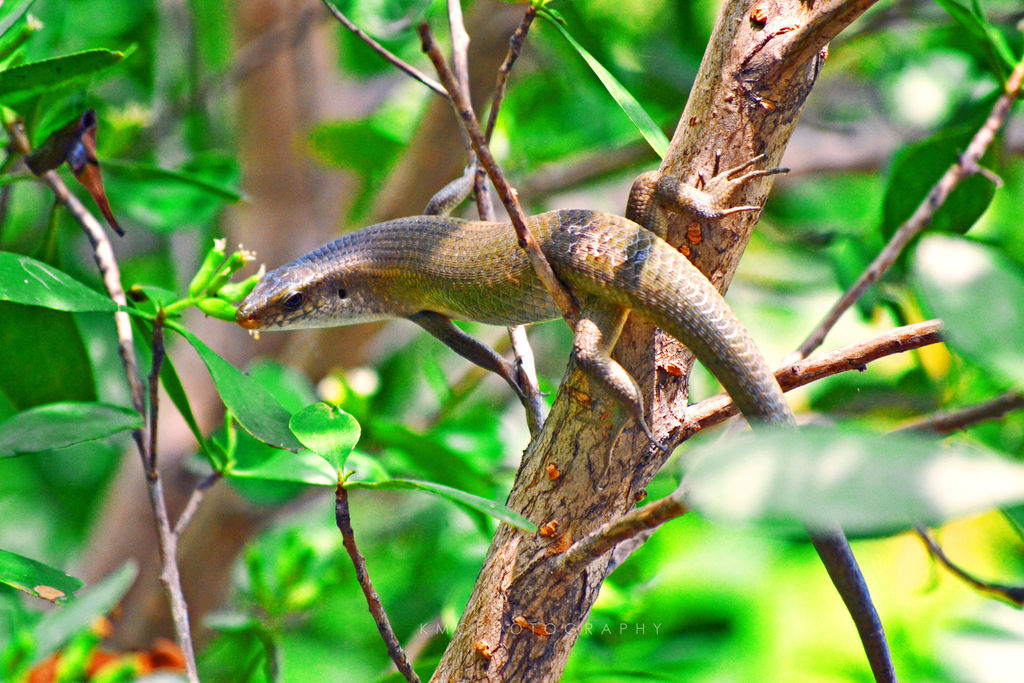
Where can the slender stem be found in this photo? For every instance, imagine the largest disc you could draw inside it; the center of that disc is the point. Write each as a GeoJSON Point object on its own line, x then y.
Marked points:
{"type": "Point", "coordinates": [508, 195]}
{"type": "Point", "coordinates": [103, 254]}
{"type": "Point", "coordinates": [383, 51]}
{"type": "Point", "coordinates": [344, 522]}
{"type": "Point", "coordinates": [965, 166]}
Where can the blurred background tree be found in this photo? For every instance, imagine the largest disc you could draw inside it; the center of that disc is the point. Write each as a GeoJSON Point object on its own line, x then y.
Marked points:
{"type": "Point", "coordinates": [272, 101]}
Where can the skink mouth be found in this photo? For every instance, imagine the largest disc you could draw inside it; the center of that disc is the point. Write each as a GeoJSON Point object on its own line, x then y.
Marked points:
{"type": "Point", "coordinates": [247, 319]}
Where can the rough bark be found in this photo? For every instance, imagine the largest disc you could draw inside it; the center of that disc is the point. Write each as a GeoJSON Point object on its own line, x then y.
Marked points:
{"type": "Point", "coordinates": [758, 69]}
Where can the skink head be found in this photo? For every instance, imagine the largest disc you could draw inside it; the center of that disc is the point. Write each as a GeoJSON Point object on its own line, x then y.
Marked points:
{"type": "Point", "coordinates": [317, 290]}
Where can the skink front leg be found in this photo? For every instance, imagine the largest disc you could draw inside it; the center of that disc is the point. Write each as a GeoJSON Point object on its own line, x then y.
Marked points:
{"type": "Point", "coordinates": [469, 347]}
{"type": "Point", "coordinates": [595, 335]}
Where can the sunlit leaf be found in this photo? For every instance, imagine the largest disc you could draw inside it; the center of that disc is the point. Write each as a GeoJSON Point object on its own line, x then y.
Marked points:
{"type": "Point", "coordinates": [36, 578]}
{"type": "Point", "coordinates": [484, 505]}
{"type": "Point", "coordinates": [26, 80]}
{"type": "Point", "coordinates": [870, 484]}
{"type": "Point", "coordinates": [978, 295]}
{"type": "Point", "coordinates": [326, 430]}
{"type": "Point", "coordinates": [983, 32]}
{"type": "Point", "coordinates": [636, 113]}
{"type": "Point", "coordinates": [254, 408]}
{"type": "Point", "coordinates": [25, 280]}
{"type": "Point", "coordinates": [58, 425]}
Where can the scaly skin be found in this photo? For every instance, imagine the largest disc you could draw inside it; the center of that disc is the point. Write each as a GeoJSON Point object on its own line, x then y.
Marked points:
{"type": "Point", "coordinates": [434, 268]}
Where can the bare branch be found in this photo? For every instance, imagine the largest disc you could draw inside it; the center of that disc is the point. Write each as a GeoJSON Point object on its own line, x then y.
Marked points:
{"type": "Point", "coordinates": [947, 423]}
{"type": "Point", "coordinates": [193, 502]}
{"type": "Point", "coordinates": [856, 356]}
{"type": "Point", "coordinates": [385, 53]}
{"type": "Point", "coordinates": [610, 534]}
{"type": "Point", "coordinates": [344, 522]}
{"type": "Point", "coordinates": [1011, 594]}
{"type": "Point", "coordinates": [966, 166]}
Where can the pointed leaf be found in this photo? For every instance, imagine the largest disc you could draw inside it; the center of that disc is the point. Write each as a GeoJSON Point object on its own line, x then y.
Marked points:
{"type": "Point", "coordinates": [254, 408]}
{"type": "Point", "coordinates": [25, 280]}
{"type": "Point", "coordinates": [636, 113]}
{"type": "Point", "coordinates": [326, 430]}
{"type": "Point", "coordinates": [870, 484]}
{"type": "Point", "coordinates": [58, 425]}
{"type": "Point", "coordinates": [27, 80]}
{"type": "Point", "coordinates": [36, 578]}
{"type": "Point", "coordinates": [484, 505]}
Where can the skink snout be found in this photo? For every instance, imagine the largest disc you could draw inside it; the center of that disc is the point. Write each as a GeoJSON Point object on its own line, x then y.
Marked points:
{"type": "Point", "coordinates": [246, 317]}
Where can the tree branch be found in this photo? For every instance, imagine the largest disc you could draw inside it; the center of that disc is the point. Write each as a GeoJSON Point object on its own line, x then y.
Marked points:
{"type": "Point", "coordinates": [1011, 594]}
{"type": "Point", "coordinates": [856, 356]}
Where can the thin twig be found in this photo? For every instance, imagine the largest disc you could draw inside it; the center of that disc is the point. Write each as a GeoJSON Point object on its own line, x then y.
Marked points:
{"type": "Point", "coordinates": [946, 423]}
{"type": "Point", "coordinates": [103, 254]}
{"type": "Point", "coordinates": [515, 48]}
{"type": "Point", "coordinates": [508, 195]}
{"type": "Point", "coordinates": [1011, 594]}
{"type": "Point", "coordinates": [193, 502]}
{"type": "Point", "coordinates": [966, 165]}
{"type": "Point", "coordinates": [344, 522]}
{"type": "Point", "coordinates": [527, 370]}
{"type": "Point", "coordinates": [383, 52]}
{"type": "Point", "coordinates": [610, 534]}
{"type": "Point", "coordinates": [856, 356]}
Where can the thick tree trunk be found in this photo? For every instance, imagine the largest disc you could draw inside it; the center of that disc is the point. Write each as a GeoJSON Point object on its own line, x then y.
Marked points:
{"type": "Point", "coordinates": [759, 67]}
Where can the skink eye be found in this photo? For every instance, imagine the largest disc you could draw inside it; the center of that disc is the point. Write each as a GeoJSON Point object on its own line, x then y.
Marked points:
{"type": "Point", "coordinates": [342, 293]}
{"type": "Point", "coordinates": [293, 301]}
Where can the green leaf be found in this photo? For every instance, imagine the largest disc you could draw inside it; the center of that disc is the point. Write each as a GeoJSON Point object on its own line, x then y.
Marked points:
{"type": "Point", "coordinates": [978, 295]}
{"type": "Point", "coordinates": [636, 113]}
{"type": "Point", "coordinates": [25, 280]}
{"type": "Point", "coordinates": [29, 334]}
{"type": "Point", "coordinates": [915, 171]}
{"type": "Point", "coordinates": [202, 186]}
{"type": "Point", "coordinates": [58, 626]}
{"type": "Point", "coordinates": [870, 484]}
{"type": "Point", "coordinates": [254, 408]}
{"type": "Point", "coordinates": [484, 505]}
{"type": "Point", "coordinates": [36, 578]}
{"type": "Point", "coordinates": [186, 176]}
{"type": "Point", "coordinates": [326, 430]}
{"type": "Point", "coordinates": [27, 80]}
{"type": "Point", "coordinates": [305, 467]}
{"type": "Point", "coordinates": [58, 425]}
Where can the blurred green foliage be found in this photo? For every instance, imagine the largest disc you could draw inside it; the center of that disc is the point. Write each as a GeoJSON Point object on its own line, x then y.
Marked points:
{"type": "Point", "coordinates": [699, 601]}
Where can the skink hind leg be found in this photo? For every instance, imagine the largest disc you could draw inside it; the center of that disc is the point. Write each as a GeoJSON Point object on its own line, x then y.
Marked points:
{"type": "Point", "coordinates": [469, 347]}
{"type": "Point", "coordinates": [595, 335]}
